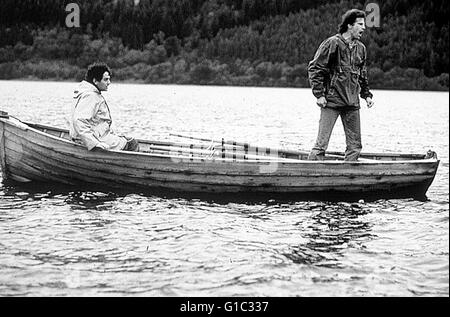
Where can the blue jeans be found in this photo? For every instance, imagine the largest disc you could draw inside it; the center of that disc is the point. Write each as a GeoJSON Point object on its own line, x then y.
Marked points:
{"type": "Point", "coordinates": [352, 127]}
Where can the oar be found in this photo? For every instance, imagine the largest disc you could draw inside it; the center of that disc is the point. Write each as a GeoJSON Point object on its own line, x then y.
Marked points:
{"type": "Point", "coordinates": [229, 142]}
{"type": "Point", "coordinates": [223, 142]}
{"type": "Point", "coordinates": [282, 153]}
{"type": "Point", "coordinates": [190, 152]}
{"type": "Point", "coordinates": [247, 147]}
{"type": "Point", "coordinates": [186, 145]}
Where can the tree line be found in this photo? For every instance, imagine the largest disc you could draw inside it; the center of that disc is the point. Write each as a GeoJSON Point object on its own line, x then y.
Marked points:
{"type": "Point", "coordinates": [224, 42]}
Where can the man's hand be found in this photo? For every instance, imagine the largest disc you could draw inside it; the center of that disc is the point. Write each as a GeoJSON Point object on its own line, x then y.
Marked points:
{"type": "Point", "coordinates": [370, 102]}
{"type": "Point", "coordinates": [322, 102]}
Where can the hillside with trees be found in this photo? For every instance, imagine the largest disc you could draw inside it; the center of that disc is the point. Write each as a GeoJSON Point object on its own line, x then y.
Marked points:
{"type": "Point", "coordinates": [220, 42]}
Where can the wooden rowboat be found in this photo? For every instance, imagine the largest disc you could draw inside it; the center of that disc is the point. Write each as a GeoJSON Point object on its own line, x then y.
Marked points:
{"type": "Point", "coordinates": [38, 153]}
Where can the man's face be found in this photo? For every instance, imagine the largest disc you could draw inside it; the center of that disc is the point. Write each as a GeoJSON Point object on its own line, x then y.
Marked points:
{"type": "Point", "coordinates": [357, 29]}
{"type": "Point", "coordinates": [103, 84]}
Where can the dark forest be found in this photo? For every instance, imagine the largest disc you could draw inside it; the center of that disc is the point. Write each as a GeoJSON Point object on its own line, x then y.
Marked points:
{"type": "Point", "coordinates": [219, 42]}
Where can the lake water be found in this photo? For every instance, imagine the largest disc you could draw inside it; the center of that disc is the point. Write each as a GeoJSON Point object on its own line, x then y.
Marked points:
{"type": "Point", "coordinates": [61, 242]}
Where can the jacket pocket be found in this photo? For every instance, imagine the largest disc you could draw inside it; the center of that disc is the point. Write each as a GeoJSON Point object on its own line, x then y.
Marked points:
{"type": "Point", "coordinates": [331, 91]}
{"type": "Point", "coordinates": [335, 92]}
{"type": "Point", "coordinates": [353, 94]}
{"type": "Point", "coordinates": [344, 89]}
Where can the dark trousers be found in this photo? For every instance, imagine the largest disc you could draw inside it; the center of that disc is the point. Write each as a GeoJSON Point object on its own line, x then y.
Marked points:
{"type": "Point", "coordinates": [132, 145]}
{"type": "Point", "coordinates": [352, 127]}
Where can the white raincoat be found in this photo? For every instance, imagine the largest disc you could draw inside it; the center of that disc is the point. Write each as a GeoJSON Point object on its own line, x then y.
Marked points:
{"type": "Point", "coordinates": [91, 120]}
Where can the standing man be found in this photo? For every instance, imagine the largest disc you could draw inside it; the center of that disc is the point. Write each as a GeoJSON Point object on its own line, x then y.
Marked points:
{"type": "Point", "coordinates": [91, 119]}
{"type": "Point", "coordinates": [338, 76]}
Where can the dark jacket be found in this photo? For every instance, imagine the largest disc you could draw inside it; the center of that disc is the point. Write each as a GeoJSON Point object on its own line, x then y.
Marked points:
{"type": "Point", "coordinates": [338, 72]}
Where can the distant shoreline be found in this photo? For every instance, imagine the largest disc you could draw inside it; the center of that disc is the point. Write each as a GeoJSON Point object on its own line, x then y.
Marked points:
{"type": "Point", "coordinates": [142, 82]}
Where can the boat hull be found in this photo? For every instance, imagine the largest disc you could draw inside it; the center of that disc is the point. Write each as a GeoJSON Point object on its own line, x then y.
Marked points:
{"type": "Point", "coordinates": [30, 155]}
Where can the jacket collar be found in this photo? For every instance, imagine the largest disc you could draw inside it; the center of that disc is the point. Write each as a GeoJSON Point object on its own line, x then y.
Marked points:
{"type": "Point", "coordinates": [84, 87]}
{"type": "Point", "coordinates": [348, 44]}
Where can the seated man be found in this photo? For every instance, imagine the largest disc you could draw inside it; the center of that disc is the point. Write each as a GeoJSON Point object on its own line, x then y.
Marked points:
{"type": "Point", "coordinates": [91, 119]}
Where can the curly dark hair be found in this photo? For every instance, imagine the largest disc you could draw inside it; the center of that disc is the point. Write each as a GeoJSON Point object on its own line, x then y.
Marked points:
{"type": "Point", "coordinates": [350, 17]}
{"type": "Point", "coordinates": [96, 71]}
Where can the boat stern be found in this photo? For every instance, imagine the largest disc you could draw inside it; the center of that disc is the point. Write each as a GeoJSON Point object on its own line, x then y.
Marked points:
{"type": "Point", "coordinates": [3, 116]}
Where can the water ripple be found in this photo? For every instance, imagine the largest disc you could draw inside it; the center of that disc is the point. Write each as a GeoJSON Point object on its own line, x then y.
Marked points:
{"type": "Point", "coordinates": [66, 242]}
